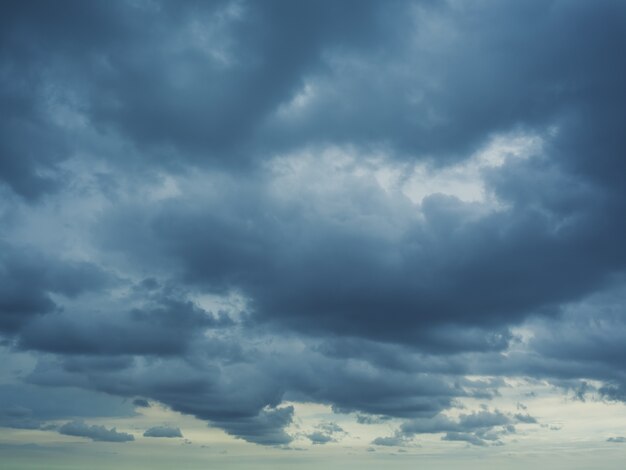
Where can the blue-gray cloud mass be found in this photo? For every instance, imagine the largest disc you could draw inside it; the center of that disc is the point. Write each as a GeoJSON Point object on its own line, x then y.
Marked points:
{"type": "Point", "coordinates": [163, 431]}
{"type": "Point", "coordinates": [195, 209]}
{"type": "Point", "coordinates": [94, 432]}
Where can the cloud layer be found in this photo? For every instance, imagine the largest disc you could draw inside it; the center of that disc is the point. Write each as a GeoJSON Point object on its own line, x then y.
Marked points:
{"type": "Point", "coordinates": [94, 432]}
{"type": "Point", "coordinates": [230, 206]}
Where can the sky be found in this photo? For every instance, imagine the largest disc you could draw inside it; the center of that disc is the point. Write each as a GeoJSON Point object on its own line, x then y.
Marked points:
{"type": "Point", "coordinates": [301, 234]}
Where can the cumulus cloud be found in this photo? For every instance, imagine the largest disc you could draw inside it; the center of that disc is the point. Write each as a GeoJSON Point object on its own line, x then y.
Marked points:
{"type": "Point", "coordinates": [22, 406]}
{"type": "Point", "coordinates": [19, 417]}
{"type": "Point", "coordinates": [478, 428]}
{"type": "Point", "coordinates": [232, 222]}
{"type": "Point", "coordinates": [265, 428]}
{"type": "Point", "coordinates": [390, 441]}
{"type": "Point", "coordinates": [318, 437]}
{"type": "Point", "coordinates": [94, 432]}
{"type": "Point", "coordinates": [163, 431]}
{"type": "Point", "coordinates": [28, 278]}
{"type": "Point", "coordinates": [325, 433]}
{"type": "Point", "coordinates": [162, 326]}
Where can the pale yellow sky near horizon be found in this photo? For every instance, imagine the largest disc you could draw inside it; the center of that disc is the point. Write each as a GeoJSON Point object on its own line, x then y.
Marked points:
{"type": "Point", "coordinates": [570, 433]}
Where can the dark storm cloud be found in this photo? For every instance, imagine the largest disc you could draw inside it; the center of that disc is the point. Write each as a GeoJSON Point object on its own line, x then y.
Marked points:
{"type": "Point", "coordinates": [143, 69]}
{"type": "Point", "coordinates": [82, 363]}
{"type": "Point", "coordinates": [463, 72]}
{"type": "Point", "coordinates": [241, 399]}
{"type": "Point", "coordinates": [266, 428]}
{"type": "Point", "coordinates": [30, 144]}
{"type": "Point", "coordinates": [450, 281]}
{"type": "Point", "coordinates": [466, 422]}
{"type": "Point", "coordinates": [163, 431]}
{"type": "Point", "coordinates": [558, 241]}
{"type": "Point", "coordinates": [372, 304]}
{"type": "Point", "coordinates": [40, 46]}
{"type": "Point", "coordinates": [21, 149]}
{"type": "Point", "coordinates": [163, 326]}
{"type": "Point", "coordinates": [375, 391]}
{"type": "Point", "coordinates": [585, 342]}
{"type": "Point", "coordinates": [234, 395]}
{"type": "Point", "coordinates": [22, 405]}
{"type": "Point", "coordinates": [94, 432]}
{"type": "Point", "coordinates": [591, 331]}
{"type": "Point", "coordinates": [28, 278]}
{"type": "Point", "coordinates": [448, 255]}
{"type": "Point", "coordinates": [258, 58]}
{"type": "Point", "coordinates": [272, 46]}
{"type": "Point", "coordinates": [570, 346]}
{"type": "Point", "coordinates": [23, 293]}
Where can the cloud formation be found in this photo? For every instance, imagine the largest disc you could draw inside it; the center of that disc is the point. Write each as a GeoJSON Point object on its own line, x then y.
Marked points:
{"type": "Point", "coordinates": [478, 428]}
{"type": "Point", "coordinates": [94, 432]}
{"type": "Point", "coordinates": [163, 431]}
{"type": "Point", "coordinates": [227, 207]}
{"type": "Point", "coordinates": [325, 433]}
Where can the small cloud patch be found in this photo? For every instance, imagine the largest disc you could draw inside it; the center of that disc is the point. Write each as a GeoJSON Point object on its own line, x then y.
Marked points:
{"type": "Point", "coordinates": [163, 431]}
{"type": "Point", "coordinates": [95, 433]}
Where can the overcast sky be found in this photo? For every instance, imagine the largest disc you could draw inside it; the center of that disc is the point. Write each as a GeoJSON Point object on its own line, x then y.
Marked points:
{"type": "Point", "coordinates": [293, 234]}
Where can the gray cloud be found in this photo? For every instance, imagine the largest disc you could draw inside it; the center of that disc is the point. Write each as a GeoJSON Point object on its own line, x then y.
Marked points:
{"type": "Point", "coordinates": [318, 437]}
{"type": "Point", "coordinates": [478, 428]}
{"type": "Point", "coordinates": [192, 155]}
{"type": "Point", "coordinates": [18, 417]}
{"type": "Point", "coordinates": [23, 406]}
{"type": "Point", "coordinates": [254, 57]}
{"type": "Point", "coordinates": [325, 433]}
{"type": "Point", "coordinates": [94, 432]}
{"type": "Point", "coordinates": [163, 326]}
{"type": "Point", "coordinates": [141, 403]}
{"type": "Point", "coordinates": [464, 437]}
{"type": "Point", "coordinates": [163, 431]}
{"type": "Point", "coordinates": [28, 278]}
{"type": "Point", "coordinates": [266, 428]}
{"type": "Point", "coordinates": [390, 441]}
